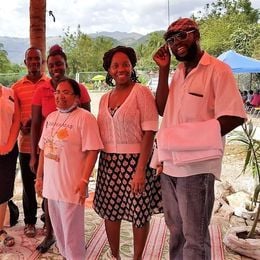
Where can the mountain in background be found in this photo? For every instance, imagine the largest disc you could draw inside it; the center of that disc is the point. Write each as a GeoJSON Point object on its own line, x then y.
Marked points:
{"type": "Point", "coordinates": [123, 38]}
{"type": "Point", "coordinates": [16, 47]}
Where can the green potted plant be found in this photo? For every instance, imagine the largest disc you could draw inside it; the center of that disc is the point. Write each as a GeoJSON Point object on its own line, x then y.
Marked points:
{"type": "Point", "coordinates": [247, 241]}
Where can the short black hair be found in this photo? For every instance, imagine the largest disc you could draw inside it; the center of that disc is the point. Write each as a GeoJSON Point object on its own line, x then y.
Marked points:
{"type": "Point", "coordinates": [73, 83]}
{"type": "Point", "coordinates": [108, 56]}
{"type": "Point", "coordinates": [32, 48]}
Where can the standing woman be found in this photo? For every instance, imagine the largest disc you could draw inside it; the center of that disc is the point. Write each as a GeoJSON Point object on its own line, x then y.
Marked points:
{"type": "Point", "coordinates": [127, 188]}
{"type": "Point", "coordinates": [69, 145]}
{"type": "Point", "coordinates": [9, 128]}
{"type": "Point", "coordinates": [43, 104]}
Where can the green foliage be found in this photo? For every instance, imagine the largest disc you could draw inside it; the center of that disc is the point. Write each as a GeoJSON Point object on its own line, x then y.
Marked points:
{"type": "Point", "coordinates": [5, 65]}
{"type": "Point", "coordinates": [7, 79]}
{"type": "Point", "coordinates": [222, 8]}
{"type": "Point", "coordinates": [231, 24]}
{"type": "Point", "coordinates": [224, 25]}
{"type": "Point", "coordinates": [9, 73]}
{"type": "Point", "coordinates": [83, 52]}
{"type": "Point", "coordinates": [146, 50]}
{"type": "Point", "coordinates": [252, 161]}
{"type": "Point", "coordinates": [72, 44]}
{"type": "Point", "coordinates": [246, 40]}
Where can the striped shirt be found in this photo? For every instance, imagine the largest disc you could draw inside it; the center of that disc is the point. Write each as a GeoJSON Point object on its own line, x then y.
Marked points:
{"type": "Point", "coordinates": [24, 90]}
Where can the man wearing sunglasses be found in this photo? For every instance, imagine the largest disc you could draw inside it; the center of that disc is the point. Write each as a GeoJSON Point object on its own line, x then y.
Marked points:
{"type": "Point", "coordinates": [201, 105]}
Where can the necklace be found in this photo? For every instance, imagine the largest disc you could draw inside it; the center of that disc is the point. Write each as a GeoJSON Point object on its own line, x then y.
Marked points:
{"type": "Point", "coordinates": [51, 149]}
{"type": "Point", "coordinates": [60, 126]}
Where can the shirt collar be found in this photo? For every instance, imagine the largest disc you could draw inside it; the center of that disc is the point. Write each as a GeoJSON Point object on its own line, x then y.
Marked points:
{"type": "Point", "coordinates": [44, 77]}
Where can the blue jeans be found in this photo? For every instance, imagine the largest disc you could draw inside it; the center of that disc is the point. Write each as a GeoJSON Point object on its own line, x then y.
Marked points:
{"type": "Point", "coordinates": [188, 204]}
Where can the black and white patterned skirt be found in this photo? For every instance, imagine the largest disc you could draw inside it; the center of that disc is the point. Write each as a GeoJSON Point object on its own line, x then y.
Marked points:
{"type": "Point", "coordinates": [113, 198]}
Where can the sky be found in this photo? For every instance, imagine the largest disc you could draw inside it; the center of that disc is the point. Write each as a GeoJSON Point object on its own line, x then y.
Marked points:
{"type": "Point", "coordinates": [93, 16]}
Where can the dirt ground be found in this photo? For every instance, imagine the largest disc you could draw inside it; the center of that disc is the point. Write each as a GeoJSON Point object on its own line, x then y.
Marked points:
{"type": "Point", "coordinates": [232, 166]}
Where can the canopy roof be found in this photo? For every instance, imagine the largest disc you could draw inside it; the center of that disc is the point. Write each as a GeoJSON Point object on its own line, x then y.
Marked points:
{"type": "Point", "coordinates": [240, 63]}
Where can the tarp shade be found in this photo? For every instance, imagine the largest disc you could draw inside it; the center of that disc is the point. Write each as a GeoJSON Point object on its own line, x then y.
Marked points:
{"type": "Point", "coordinates": [240, 63]}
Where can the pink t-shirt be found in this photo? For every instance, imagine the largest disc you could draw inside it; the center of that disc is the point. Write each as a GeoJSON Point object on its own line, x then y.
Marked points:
{"type": "Point", "coordinates": [65, 139]}
{"type": "Point", "coordinates": [44, 97]}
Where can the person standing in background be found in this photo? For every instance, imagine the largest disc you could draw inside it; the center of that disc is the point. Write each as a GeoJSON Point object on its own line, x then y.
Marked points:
{"type": "Point", "coordinates": [43, 104]}
{"type": "Point", "coordinates": [24, 90]}
{"type": "Point", "coordinates": [9, 129]}
{"type": "Point", "coordinates": [126, 188]}
{"type": "Point", "coordinates": [201, 106]}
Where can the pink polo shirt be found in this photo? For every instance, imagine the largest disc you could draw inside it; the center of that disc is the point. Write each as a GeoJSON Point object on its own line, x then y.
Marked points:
{"type": "Point", "coordinates": [209, 91]}
{"type": "Point", "coordinates": [44, 97]}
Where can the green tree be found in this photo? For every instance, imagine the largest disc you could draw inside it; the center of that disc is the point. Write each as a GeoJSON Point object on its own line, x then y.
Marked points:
{"type": "Point", "coordinates": [83, 52]}
{"type": "Point", "coordinates": [246, 40]}
{"type": "Point", "coordinates": [221, 20]}
{"type": "Point", "coordinates": [146, 50]}
{"type": "Point", "coordinates": [99, 47]}
{"type": "Point", "coordinates": [5, 65]}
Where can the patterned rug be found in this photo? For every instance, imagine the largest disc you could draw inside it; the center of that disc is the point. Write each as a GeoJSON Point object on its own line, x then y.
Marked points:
{"type": "Point", "coordinates": [96, 241]}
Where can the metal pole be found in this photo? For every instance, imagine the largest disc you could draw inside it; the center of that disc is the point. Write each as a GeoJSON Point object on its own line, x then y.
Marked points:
{"type": "Point", "coordinates": [168, 12]}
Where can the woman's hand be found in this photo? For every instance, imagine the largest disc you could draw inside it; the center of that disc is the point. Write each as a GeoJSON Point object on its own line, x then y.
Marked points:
{"type": "Point", "coordinates": [82, 191]}
{"type": "Point", "coordinates": [138, 182]}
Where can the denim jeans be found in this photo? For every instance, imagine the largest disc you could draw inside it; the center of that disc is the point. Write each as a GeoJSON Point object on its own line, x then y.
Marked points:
{"type": "Point", "coordinates": [188, 203]}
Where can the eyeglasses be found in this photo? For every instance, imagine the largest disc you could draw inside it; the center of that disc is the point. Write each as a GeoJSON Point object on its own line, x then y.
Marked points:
{"type": "Point", "coordinates": [180, 36]}
{"type": "Point", "coordinates": [65, 93]}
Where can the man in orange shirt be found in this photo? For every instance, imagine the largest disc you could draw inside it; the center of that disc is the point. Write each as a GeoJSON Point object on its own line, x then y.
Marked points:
{"type": "Point", "coordinates": [24, 90]}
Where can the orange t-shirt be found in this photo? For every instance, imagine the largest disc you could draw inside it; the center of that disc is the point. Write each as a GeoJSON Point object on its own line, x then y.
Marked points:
{"type": "Point", "coordinates": [24, 90]}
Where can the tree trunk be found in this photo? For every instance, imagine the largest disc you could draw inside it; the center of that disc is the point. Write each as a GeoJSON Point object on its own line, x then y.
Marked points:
{"type": "Point", "coordinates": [38, 27]}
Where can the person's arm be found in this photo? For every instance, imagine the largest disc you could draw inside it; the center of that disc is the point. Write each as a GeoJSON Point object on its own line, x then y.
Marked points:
{"type": "Point", "coordinates": [91, 157]}
{"type": "Point", "coordinates": [35, 135]}
{"type": "Point", "coordinates": [138, 181]}
{"type": "Point", "coordinates": [162, 58]}
{"type": "Point", "coordinates": [162, 90]}
{"type": "Point", "coordinates": [39, 175]}
{"type": "Point", "coordinates": [228, 123]}
{"type": "Point", "coordinates": [5, 149]}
